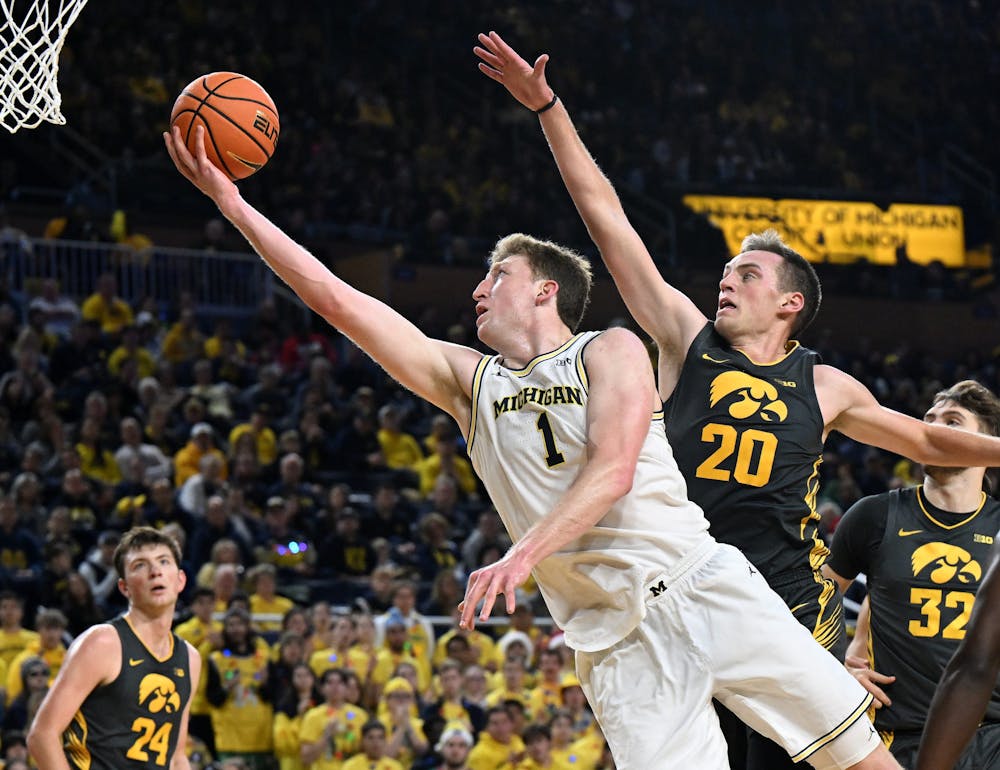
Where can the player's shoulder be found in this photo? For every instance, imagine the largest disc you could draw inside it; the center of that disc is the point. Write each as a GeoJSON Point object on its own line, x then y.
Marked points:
{"type": "Point", "coordinates": [100, 639]}
{"type": "Point", "coordinates": [614, 342]}
{"type": "Point", "coordinates": [96, 653]}
{"type": "Point", "coordinates": [837, 391]}
{"type": "Point", "coordinates": [870, 512]}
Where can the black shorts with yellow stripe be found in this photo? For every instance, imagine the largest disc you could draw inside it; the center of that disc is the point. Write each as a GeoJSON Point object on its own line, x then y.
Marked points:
{"type": "Point", "coordinates": [816, 603]}
{"type": "Point", "coordinates": [982, 753]}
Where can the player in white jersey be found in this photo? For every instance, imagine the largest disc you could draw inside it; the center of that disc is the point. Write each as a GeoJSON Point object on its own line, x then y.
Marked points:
{"type": "Point", "coordinates": [566, 432]}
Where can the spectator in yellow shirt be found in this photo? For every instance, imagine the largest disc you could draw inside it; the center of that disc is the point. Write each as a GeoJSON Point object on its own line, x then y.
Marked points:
{"type": "Point", "coordinates": [373, 750]}
{"type": "Point", "coordinates": [97, 461]}
{"type": "Point", "coordinates": [337, 653]}
{"type": "Point", "coordinates": [396, 651]}
{"type": "Point", "coordinates": [331, 732]}
{"type": "Point", "coordinates": [546, 697]}
{"type": "Point", "coordinates": [51, 625]}
{"type": "Point", "coordinates": [265, 600]}
{"type": "Point", "coordinates": [400, 450]}
{"type": "Point", "coordinates": [288, 715]}
{"type": "Point", "coordinates": [445, 461]}
{"type": "Point", "coordinates": [14, 638]}
{"type": "Point", "coordinates": [538, 751]}
{"type": "Point", "coordinates": [188, 457]}
{"type": "Point", "coordinates": [265, 441]}
{"type": "Point", "coordinates": [131, 350]}
{"type": "Point", "coordinates": [106, 307]}
{"type": "Point", "coordinates": [583, 753]}
{"type": "Point", "coordinates": [498, 744]}
{"type": "Point", "coordinates": [407, 742]}
{"type": "Point", "coordinates": [183, 343]}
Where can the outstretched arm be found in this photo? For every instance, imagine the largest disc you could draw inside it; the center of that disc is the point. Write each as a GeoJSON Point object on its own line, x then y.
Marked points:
{"type": "Point", "coordinates": [621, 404]}
{"type": "Point", "coordinates": [967, 683]}
{"type": "Point", "coordinates": [439, 372]}
{"type": "Point", "coordinates": [665, 313]}
{"type": "Point", "coordinates": [849, 407]}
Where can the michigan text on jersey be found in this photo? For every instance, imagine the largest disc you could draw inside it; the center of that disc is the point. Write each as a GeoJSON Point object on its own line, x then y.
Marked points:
{"type": "Point", "coordinates": [558, 394]}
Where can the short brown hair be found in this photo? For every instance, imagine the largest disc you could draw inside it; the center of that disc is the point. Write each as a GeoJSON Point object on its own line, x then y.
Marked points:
{"type": "Point", "coordinates": [140, 537]}
{"type": "Point", "coordinates": [797, 274]}
{"type": "Point", "coordinates": [549, 260]}
{"type": "Point", "coordinates": [978, 399]}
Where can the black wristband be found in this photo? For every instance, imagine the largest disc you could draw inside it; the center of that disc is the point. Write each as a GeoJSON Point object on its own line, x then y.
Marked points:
{"type": "Point", "coordinates": [548, 106]}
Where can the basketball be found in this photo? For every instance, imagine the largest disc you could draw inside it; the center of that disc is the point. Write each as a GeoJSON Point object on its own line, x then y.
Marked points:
{"type": "Point", "coordinates": [240, 120]}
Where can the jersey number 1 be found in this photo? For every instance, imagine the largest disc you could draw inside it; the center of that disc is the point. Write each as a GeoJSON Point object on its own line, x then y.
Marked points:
{"type": "Point", "coordinates": [553, 456]}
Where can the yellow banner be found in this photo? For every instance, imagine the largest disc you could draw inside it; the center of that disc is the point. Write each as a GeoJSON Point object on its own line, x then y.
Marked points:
{"type": "Point", "coordinates": [842, 232]}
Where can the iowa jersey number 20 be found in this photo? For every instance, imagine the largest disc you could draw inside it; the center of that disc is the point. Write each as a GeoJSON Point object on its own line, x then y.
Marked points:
{"type": "Point", "coordinates": [754, 450]}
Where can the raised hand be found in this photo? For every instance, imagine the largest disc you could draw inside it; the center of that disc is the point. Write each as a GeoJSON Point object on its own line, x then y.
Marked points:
{"type": "Point", "coordinates": [197, 168]}
{"type": "Point", "coordinates": [503, 64]}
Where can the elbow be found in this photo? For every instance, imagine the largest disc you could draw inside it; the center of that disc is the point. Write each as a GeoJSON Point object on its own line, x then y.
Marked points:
{"type": "Point", "coordinates": [620, 481]}
{"type": "Point", "coordinates": [34, 741]}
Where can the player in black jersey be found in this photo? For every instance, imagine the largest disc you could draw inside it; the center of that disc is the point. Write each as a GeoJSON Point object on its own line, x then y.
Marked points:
{"type": "Point", "coordinates": [747, 408]}
{"type": "Point", "coordinates": [924, 551]}
{"type": "Point", "coordinates": [121, 698]}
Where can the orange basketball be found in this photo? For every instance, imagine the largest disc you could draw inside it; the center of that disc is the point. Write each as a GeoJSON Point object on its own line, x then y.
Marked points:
{"type": "Point", "coordinates": [240, 120]}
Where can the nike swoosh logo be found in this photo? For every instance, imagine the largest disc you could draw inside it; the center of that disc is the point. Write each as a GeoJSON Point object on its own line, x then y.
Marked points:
{"type": "Point", "coordinates": [244, 161]}
{"type": "Point", "coordinates": [134, 662]}
{"type": "Point", "coordinates": [707, 357]}
{"type": "Point", "coordinates": [907, 532]}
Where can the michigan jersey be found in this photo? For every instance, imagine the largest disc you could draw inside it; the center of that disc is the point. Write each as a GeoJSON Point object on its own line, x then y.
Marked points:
{"type": "Point", "coordinates": [749, 440]}
{"type": "Point", "coordinates": [133, 721]}
{"type": "Point", "coordinates": [528, 443]}
{"type": "Point", "coordinates": [924, 566]}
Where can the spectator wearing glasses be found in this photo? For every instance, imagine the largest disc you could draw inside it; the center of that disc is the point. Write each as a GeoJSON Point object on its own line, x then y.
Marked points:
{"type": "Point", "coordinates": [34, 673]}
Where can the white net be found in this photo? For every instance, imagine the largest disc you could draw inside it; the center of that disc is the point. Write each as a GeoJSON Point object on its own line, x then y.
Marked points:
{"type": "Point", "coordinates": [31, 38]}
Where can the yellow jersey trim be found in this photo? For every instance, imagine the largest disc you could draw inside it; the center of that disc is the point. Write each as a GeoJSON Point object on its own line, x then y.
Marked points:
{"type": "Point", "coordinates": [477, 380]}
{"type": "Point", "coordinates": [794, 346]}
{"type": "Point", "coordinates": [819, 743]}
{"type": "Point", "coordinates": [544, 357]}
{"type": "Point", "coordinates": [962, 523]}
{"type": "Point", "coordinates": [146, 646]}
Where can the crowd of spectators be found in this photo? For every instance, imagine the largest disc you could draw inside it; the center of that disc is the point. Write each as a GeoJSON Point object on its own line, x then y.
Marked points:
{"type": "Point", "coordinates": [388, 130]}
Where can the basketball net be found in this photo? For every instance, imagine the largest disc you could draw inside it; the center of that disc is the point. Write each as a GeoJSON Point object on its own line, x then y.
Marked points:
{"type": "Point", "coordinates": [30, 41]}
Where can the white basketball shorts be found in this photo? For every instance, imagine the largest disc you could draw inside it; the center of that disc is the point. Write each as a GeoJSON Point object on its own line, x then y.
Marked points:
{"type": "Point", "coordinates": [717, 630]}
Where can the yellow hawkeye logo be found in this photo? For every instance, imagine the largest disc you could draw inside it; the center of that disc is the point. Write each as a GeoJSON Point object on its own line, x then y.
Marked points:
{"type": "Point", "coordinates": [750, 396]}
{"type": "Point", "coordinates": [945, 562]}
{"type": "Point", "coordinates": [159, 693]}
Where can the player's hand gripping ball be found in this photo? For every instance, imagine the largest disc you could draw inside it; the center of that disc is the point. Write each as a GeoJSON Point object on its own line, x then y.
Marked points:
{"type": "Point", "coordinates": [240, 119]}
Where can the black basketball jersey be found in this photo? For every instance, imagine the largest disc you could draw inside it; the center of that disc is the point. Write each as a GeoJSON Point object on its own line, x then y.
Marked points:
{"type": "Point", "coordinates": [134, 721]}
{"type": "Point", "coordinates": [748, 438]}
{"type": "Point", "coordinates": [922, 582]}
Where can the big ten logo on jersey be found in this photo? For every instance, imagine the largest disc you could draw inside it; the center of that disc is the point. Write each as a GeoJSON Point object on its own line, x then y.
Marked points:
{"type": "Point", "coordinates": [943, 564]}
{"type": "Point", "coordinates": [268, 129]}
{"type": "Point", "coordinates": [159, 695]}
{"type": "Point", "coordinates": [743, 397]}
